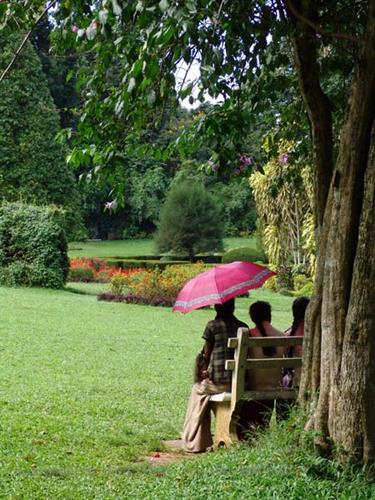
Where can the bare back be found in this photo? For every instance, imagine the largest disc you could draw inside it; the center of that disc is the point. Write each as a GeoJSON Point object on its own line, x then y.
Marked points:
{"type": "Point", "coordinates": [266, 378]}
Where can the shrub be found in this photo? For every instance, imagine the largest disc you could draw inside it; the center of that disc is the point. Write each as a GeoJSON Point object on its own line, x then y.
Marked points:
{"type": "Point", "coordinates": [300, 280]}
{"type": "Point", "coordinates": [190, 221]}
{"type": "Point", "coordinates": [81, 274]}
{"type": "Point", "coordinates": [284, 278]}
{"type": "Point", "coordinates": [270, 284]}
{"type": "Point", "coordinates": [135, 264]}
{"type": "Point", "coordinates": [118, 284]}
{"type": "Point", "coordinates": [246, 254]}
{"type": "Point", "coordinates": [33, 247]}
{"type": "Point", "coordinates": [305, 290]}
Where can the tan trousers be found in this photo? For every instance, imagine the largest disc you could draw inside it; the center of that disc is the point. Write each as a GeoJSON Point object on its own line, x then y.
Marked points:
{"type": "Point", "coordinates": [196, 434]}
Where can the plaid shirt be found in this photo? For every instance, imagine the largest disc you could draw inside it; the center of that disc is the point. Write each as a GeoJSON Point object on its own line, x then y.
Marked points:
{"type": "Point", "coordinates": [217, 333]}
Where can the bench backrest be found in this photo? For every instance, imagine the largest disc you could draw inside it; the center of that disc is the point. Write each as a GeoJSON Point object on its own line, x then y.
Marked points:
{"type": "Point", "coordinates": [241, 362]}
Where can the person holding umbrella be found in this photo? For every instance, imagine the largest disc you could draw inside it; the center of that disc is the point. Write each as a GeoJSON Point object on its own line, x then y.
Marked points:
{"type": "Point", "coordinates": [196, 435]}
{"type": "Point", "coordinates": [218, 285]}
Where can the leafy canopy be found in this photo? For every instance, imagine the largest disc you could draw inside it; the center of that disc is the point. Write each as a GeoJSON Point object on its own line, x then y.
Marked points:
{"type": "Point", "coordinates": [136, 49]}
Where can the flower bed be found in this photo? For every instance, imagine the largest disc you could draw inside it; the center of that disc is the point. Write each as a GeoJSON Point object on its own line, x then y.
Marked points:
{"type": "Point", "coordinates": [95, 270]}
{"type": "Point", "coordinates": [154, 287]}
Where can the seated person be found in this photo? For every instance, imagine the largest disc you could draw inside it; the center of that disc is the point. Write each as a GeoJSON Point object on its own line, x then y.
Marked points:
{"type": "Point", "coordinates": [292, 377]}
{"type": "Point", "coordinates": [260, 313]}
{"type": "Point", "coordinates": [196, 435]}
{"type": "Point", "coordinates": [258, 413]}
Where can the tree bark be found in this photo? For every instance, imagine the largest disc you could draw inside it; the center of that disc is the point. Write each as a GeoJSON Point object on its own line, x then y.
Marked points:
{"type": "Point", "coordinates": [344, 338]}
{"type": "Point", "coordinates": [319, 112]}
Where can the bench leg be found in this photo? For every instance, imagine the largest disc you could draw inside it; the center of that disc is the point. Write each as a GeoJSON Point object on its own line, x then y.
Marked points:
{"type": "Point", "coordinates": [226, 424]}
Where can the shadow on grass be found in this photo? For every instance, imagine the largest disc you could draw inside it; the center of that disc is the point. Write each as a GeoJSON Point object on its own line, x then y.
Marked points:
{"type": "Point", "coordinates": [79, 291]}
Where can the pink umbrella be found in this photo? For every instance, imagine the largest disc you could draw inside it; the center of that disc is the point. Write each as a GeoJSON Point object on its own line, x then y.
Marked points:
{"type": "Point", "coordinates": [219, 284]}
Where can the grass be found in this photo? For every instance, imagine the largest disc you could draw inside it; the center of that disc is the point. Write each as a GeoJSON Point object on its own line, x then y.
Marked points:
{"type": "Point", "coordinates": [126, 248]}
{"type": "Point", "coordinates": [88, 388]}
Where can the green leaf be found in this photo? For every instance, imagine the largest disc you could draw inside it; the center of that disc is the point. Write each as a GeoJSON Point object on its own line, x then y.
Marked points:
{"type": "Point", "coordinates": [132, 84]}
{"type": "Point", "coordinates": [137, 67]}
{"type": "Point", "coordinates": [151, 97]}
{"type": "Point", "coordinates": [70, 75]}
{"type": "Point", "coordinates": [103, 16]}
{"type": "Point", "coordinates": [163, 4]}
{"type": "Point", "coordinates": [166, 35]}
{"type": "Point", "coordinates": [116, 8]}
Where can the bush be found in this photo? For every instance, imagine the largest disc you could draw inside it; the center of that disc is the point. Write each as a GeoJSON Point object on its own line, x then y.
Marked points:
{"type": "Point", "coordinates": [246, 254]}
{"type": "Point", "coordinates": [146, 264]}
{"type": "Point", "coordinates": [284, 278]}
{"type": "Point", "coordinates": [189, 222]}
{"type": "Point", "coordinates": [81, 274]}
{"type": "Point", "coordinates": [300, 280]}
{"type": "Point", "coordinates": [33, 247]}
{"type": "Point", "coordinates": [305, 290]}
{"type": "Point", "coordinates": [270, 284]}
{"type": "Point", "coordinates": [118, 284]}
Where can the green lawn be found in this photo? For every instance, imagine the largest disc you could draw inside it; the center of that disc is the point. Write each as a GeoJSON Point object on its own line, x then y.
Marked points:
{"type": "Point", "coordinates": [88, 388]}
{"type": "Point", "coordinates": [126, 248]}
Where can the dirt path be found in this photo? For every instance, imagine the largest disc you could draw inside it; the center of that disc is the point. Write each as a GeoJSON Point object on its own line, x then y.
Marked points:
{"type": "Point", "coordinates": [174, 453]}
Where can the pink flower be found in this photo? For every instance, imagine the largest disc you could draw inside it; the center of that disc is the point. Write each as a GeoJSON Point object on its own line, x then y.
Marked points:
{"type": "Point", "coordinates": [75, 29]}
{"type": "Point", "coordinates": [245, 160]}
{"type": "Point", "coordinates": [110, 205]}
{"type": "Point", "coordinates": [283, 159]}
{"type": "Point", "coordinates": [214, 166]}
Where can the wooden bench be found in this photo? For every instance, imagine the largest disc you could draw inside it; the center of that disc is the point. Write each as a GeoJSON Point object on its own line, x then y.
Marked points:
{"type": "Point", "coordinates": [227, 405]}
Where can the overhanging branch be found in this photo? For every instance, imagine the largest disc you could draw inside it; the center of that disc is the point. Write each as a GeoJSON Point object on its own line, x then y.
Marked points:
{"type": "Point", "coordinates": [25, 39]}
{"type": "Point", "coordinates": [316, 27]}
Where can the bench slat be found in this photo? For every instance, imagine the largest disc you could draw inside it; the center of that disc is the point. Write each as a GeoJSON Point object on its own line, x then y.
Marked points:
{"type": "Point", "coordinates": [254, 364]}
{"type": "Point", "coordinates": [268, 394]}
{"type": "Point", "coordinates": [274, 341]}
{"type": "Point", "coordinates": [266, 341]}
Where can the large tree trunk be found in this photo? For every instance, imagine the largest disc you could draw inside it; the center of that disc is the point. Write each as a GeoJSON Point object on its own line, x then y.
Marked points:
{"type": "Point", "coordinates": [340, 332]}
{"type": "Point", "coordinates": [319, 111]}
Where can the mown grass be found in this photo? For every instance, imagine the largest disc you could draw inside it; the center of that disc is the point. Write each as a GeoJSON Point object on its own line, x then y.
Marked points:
{"type": "Point", "coordinates": [126, 248]}
{"type": "Point", "coordinates": [88, 388]}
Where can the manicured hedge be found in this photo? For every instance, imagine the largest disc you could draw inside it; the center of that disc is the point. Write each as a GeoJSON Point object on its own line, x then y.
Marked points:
{"type": "Point", "coordinates": [151, 261]}
{"type": "Point", "coordinates": [147, 264]}
{"type": "Point", "coordinates": [245, 254]}
{"type": "Point", "coordinates": [33, 247]}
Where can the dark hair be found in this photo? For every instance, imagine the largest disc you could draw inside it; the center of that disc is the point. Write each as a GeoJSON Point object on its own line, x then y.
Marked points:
{"type": "Point", "coordinates": [299, 308]}
{"type": "Point", "coordinates": [261, 311]}
{"type": "Point", "coordinates": [226, 309]}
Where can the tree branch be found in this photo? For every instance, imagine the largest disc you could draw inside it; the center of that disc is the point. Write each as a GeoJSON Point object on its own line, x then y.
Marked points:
{"type": "Point", "coordinates": [25, 39]}
{"type": "Point", "coordinates": [317, 105]}
{"type": "Point", "coordinates": [316, 27]}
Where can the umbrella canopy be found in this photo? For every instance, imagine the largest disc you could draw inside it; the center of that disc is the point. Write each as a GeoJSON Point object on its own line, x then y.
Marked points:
{"type": "Point", "coordinates": [219, 284]}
